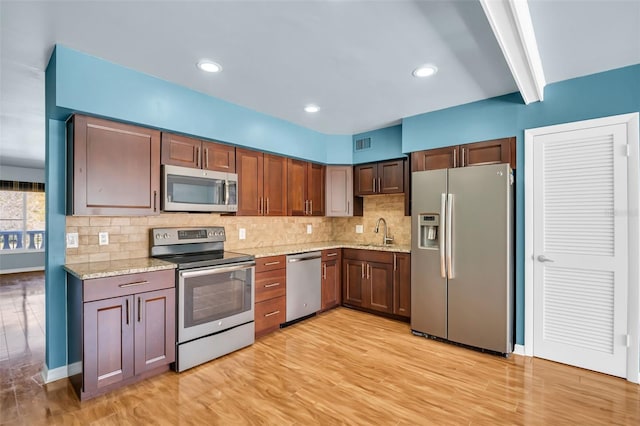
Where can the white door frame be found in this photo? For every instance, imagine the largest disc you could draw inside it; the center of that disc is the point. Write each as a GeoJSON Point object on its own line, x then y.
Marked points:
{"type": "Point", "coordinates": [633, 139]}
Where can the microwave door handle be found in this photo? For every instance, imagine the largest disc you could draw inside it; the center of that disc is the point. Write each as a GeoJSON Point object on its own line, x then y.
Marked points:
{"type": "Point", "coordinates": [226, 192]}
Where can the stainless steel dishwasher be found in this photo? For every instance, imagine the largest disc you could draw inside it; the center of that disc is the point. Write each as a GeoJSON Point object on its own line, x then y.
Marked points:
{"type": "Point", "coordinates": [303, 285]}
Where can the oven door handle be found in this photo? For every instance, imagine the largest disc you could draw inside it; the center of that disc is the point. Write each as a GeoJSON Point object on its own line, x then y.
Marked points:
{"type": "Point", "coordinates": [217, 270]}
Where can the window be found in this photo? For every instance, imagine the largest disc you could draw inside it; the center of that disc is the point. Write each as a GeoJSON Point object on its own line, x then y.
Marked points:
{"type": "Point", "coordinates": [22, 217]}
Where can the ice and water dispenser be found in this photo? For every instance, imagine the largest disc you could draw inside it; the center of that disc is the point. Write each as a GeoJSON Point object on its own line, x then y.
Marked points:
{"type": "Point", "coordinates": [429, 225]}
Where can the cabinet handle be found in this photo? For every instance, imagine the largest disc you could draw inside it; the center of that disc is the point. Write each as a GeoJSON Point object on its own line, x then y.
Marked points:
{"type": "Point", "coordinates": [139, 309]}
{"type": "Point", "coordinates": [272, 263]}
{"type": "Point", "coordinates": [271, 285]}
{"type": "Point", "coordinates": [127, 303]}
{"type": "Point", "coordinates": [198, 156]}
{"type": "Point", "coordinates": [306, 206]}
{"type": "Point", "coordinates": [395, 267]}
{"type": "Point", "coordinates": [374, 184]}
{"type": "Point", "coordinates": [310, 207]}
{"type": "Point", "coordinates": [155, 201]}
{"type": "Point", "coordinates": [206, 158]}
{"type": "Point", "coordinates": [271, 313]}
{"type": "Point", "coordinates": [332, 254]}
{"type": "Point", "coordinates": [267, 205]}
{"type": "Point", "coordinates": [261, 206]}
{"type": "Point", "coordinates": [133, 284]}
{"type": "Point", "coordinates": [455, 157]}
{"type": "Point", "coordinates": [324, 271]}
{"type": "Point", "coordinates": [463, 157]}
{"type": "Point", "coordinates": [379, 184]}
{"type": "Point", "coordinates": [347, 207]}
{"type": "Point", "coordinates": [368, 271]}
{"type": "Point", "coordinates": [362, 267]}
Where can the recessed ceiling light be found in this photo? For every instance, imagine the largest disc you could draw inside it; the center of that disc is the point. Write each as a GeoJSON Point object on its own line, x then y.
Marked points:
{"type": "Point", "coordinates": [312, 108]}
{"type": "Point", "coordinates": [209, 66]}
{"type": "Point", "coordinates": [425, 71]}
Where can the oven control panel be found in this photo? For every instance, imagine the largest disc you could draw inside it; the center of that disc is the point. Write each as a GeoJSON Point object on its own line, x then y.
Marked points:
{"type": "Point", "coordinates": [171, 236]}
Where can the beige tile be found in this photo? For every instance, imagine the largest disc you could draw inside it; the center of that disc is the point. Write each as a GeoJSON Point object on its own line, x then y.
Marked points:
{"type": "Point", "coordinates": [99, 221]}
{"type": "Point", "coordinates": [98, 257]}
{"type": "Point", "coordinates": [119, 221]}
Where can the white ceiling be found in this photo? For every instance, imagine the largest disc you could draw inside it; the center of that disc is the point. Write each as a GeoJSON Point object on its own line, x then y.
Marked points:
{"type": "Point", "coordinates": [352, 58]}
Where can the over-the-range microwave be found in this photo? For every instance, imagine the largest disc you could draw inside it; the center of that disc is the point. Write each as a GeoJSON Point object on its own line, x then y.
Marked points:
{"type": "Point", "coordinates": [194, 190]}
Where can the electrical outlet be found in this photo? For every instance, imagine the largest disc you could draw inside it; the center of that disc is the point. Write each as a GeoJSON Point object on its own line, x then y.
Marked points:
{"type": "Point", "coordinates": [309, 228]}
{"type": "Point", "coordinates": [103, 238]}
{"type": "Point", "coordinates": [242, 234]}
{"type": "Point", "coordinates": [359, 229]}
{"type": "Point", "coordinates": [72, 240]}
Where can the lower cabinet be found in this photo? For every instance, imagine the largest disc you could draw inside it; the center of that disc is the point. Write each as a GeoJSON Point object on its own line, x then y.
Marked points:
{"type": "Point", "coordinates": [377, 281]}
{"type": "Point", "coordinates": [271, 291]}
{"type": "Point", "coordinates": [331, 282]}
{"type": "Point", "coordinates": [121, 330]}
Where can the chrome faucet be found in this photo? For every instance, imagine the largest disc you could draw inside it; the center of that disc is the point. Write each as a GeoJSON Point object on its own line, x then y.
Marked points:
{"type": "Point", "coordinates": [386, 239]}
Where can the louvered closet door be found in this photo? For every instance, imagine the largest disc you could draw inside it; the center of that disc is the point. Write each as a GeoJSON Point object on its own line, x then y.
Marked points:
{"type": "Point", "coordinates": [580, 246]}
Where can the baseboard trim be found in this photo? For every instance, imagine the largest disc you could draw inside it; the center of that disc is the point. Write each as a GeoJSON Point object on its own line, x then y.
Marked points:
{"type": "Point", "coordinates": [19, 270]}
{"type": "Point", "coordinates": [519, 350]}
{"type": "Point", "coordinates": [49, 376]}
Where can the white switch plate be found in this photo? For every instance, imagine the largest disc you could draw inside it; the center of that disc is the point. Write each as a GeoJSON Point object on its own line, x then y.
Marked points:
{"type": "Point", "coordinates": [309, 229]}
{"type": "Point", "coordinates": [359, 229]}
{"type": "Point", "coordinates": [103, 238]}
{"type": "Point", "coordinates": [242, 234]}
{"type": "Point", "coordinates": [72, 240]}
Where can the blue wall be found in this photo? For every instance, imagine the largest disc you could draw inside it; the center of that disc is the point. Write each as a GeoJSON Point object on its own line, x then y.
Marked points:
{"type": "Point", "coordinates": [386, 143]}
{"type": "Point", "coordinates": [598, 95]}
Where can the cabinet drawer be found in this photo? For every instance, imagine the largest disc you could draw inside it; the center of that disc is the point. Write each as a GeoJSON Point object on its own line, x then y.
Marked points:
{"type": "Point", "coordinates": [270, 284]}
{"type": "Point", "coordinates": [270, 263]}
{"type": "Point", "coordinates": [270, 314]}
{"type": "Point", "coordinates": [368, 255]}
{"type": "Point", "coordinates": [332, 254]}
{"type": "Point", "coordinates": [122, 285]}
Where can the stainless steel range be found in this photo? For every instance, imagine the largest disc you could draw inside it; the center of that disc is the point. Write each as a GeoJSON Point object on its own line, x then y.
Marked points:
{"type": "Point", "coordinates": [215, 293]}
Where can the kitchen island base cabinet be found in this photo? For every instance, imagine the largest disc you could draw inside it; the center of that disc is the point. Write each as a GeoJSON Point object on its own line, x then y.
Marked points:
{"type": "Point", "coordinates": [123, 339]}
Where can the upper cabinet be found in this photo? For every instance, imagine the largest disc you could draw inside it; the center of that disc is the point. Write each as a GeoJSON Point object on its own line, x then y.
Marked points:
{"type": "Point", "coordinates": [488, 152]}
{"type": "Point", "coordinates": [339, 192]}
{"type": "Point", "coordinates": [262, 183]}
{"type": "Point", "coordinates": [385, 177]}
{"type": "Point", "coordinates": [103, 157]}
{"type": "Point", "coordinates": [306, 186]}
{"type": "Point", "coordinates": [195, 153]}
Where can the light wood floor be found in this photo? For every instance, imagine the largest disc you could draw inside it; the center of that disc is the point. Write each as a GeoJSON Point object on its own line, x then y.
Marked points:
{"type": "Point", "coordinates": [342, 367]}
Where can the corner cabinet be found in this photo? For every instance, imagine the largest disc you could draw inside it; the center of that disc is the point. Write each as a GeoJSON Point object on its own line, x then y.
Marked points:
{"type": "Point", "coordinates": [121, 330]}
{"type": "Point", "coordinates": [103, 157]}
{"type": "Point", "coordinates": [377, 281]}
{"type": "Point", "coordinates": [199, 154]}
{"type": "Point", "coordinates": [262, 183]}
{"type": "Point", "coordinates": [339, 193]}
{"type": "Point", "coordinates": [305, 188]}
{"type": "Point", "coordinates": [331, 278]}
{"type": "Point", "coordinates": [494, 151]}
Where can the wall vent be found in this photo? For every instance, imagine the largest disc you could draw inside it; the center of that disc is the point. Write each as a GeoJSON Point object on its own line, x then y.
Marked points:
{"type": "Point", "coordinates": [362, 144]}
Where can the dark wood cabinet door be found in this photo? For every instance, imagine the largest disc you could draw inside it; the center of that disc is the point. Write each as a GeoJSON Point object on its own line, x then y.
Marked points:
{"type": "Point", "coordinates": [379, 287]}
{"type": "Point", "coordinates": [331, 290]}
{"type": "Point", "coordinates": [488, 152]}
{"type": "Point", "coordinates": [155, 329]}
{"type": "Point", "coordinates": [180, 150]}
{"type": "Point", "coordinates": [316, 188]}
{"type": "Point", "coordinates": [391, 177]}
{"type": "Point", "coordinates": [353, 277]}
{"type": "Point", "coordinates": [218, 156]}
{"type": "Point", "coordinates": [297, 201]}
{"type": "Point", "coordinates": [365, 179]}
{"type": "Point", "coordinates": [434, 159]}
{"type": "Point", "coordinates": [402, 284]}
{"type": "Point", "coordinates": [107, 157]}
{"type": "Point", "coordinates": [249, 166]}
{"type": "Point", "coordinates": [275, 185]}
{"type": "Point", "coordinates": [108, 342]}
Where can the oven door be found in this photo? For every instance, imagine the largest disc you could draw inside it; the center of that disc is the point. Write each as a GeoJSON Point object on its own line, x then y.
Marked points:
{"type": "Point", "coordinates": [213, 299]}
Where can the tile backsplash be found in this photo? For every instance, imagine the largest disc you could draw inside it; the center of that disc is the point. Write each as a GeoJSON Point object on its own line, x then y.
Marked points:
{"type": "Point", "coordinates": [129, 236]}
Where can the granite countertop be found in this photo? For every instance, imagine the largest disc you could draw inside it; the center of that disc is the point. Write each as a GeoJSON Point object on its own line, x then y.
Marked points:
{"type": "Point", "coordinates": [90, 270]}
{"type": "Point", "coordinates": [304, 247]}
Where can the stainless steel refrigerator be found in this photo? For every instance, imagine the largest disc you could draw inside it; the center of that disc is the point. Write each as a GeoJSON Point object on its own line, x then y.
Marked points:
{"type": "Point", "coordinates": [462, 256]}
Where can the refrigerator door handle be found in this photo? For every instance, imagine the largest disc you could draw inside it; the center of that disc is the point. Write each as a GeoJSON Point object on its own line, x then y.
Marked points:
{"type": "Point", "coordinates": [443, 203]}
{"type": "Point", "coordinates": [449, 225]}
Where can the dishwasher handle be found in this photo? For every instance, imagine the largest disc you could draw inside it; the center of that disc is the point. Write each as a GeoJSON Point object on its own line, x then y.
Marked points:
{"type": "Point", "coordinates": [300, 259]}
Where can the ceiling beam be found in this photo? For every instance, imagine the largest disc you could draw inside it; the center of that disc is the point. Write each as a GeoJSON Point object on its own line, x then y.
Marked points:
{"type": "Point", "coordinates": [511, 23]}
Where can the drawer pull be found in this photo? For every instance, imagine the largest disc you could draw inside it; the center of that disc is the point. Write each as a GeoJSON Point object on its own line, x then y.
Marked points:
{"type": "Point", "coordinates": [271, 313]}
{"type": "Point", "coordinates": [272, 263]}
{"type": "Point", "coordinates": [271, 285]}
{"type": "Point", "coordinates": [332, 254]}
{"type": "Point", "coordinates": [133, 284]}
